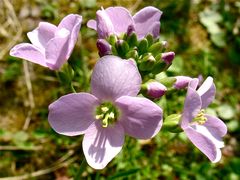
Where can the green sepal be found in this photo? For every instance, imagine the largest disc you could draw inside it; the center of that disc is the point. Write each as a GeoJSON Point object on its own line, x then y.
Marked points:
{"type": "Point", "coordinates": [160, 66]}
{"type": "Point", "coordinates": [122, 48]}
{"type": "Point", "coordinates": [143, 46]}
{"type": "Point", "coordinates": [171, 123]}
{"type": "Point", "coordinates": [112, 39]}
{"type": "Point", "coordinates": [132, 54]}
{"type": "Point", "coordinates": [168, 81]}
{"type": "Point", "coordinates": [132, 40]}
{"type": "Point", "coordinates": [147, 62]}
{"type": "Point", "coordinates": [150, 39]}
{"type": "Point", "coordinates": [156, 48]}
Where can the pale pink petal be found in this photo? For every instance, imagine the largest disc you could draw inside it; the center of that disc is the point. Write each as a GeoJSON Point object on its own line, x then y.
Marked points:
{"type": "Point", "coordinates": [104, 24]}
{"type": "Point", "coordinates": [92, 24]}
{"type": "Point", "coordinates": [29, 52]}
{"type": "Point", "coordinates": [72, 23]}
{"type": "Point", "coordinates": [72, 114]}
{"type": "Point", "coordinates": [56, 50]}
{"type": "Point", "coordinates": [42, 34]}
{"type": "Point", "coordinates": [120, 18]}
{"type": "Point", "coordinates": [192, 107]}
{"type": "Point", "coordinates": [101, 145]}
{"type": "Point", "coordinates": [114, 77]}
{"type": "Point", "coordinates": [147, 21]}
{"type": "Point", "coordinates": [207, 92]}
{"type": "Point", "coordinates": [140, 117]}
{"type": "Point", "coordinates": [194, 83]}
{"type": "Point", "coordinates": [216, 126]}
{"type": "Point", "coordinates": [204, 144]}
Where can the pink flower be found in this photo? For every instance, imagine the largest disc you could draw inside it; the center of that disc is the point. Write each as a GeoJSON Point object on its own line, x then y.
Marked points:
{"type": "Point", "coordinates": [205, 131]}
{"type": "Point", "coordinates": [109, 112]}
{"type": "Point", "coordinates": [51, 45]}
{"type": "Point", "coordinates": [118, 20]}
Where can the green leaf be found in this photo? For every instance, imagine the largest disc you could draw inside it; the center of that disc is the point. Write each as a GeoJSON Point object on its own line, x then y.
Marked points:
{"type": "Point", "coordinates": [226, 111]}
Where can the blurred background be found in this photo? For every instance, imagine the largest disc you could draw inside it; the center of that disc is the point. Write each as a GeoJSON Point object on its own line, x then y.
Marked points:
{"type": "Point", "coordinates": [204, 34]}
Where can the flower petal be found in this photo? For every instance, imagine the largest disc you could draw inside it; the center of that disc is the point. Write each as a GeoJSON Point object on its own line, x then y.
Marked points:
{"type": "Point", "coordinates": [207, 92]}
{"type": "Point", "coordinates": [29, 52]}
{"type": "Point", "coordinates": [192, 107]}
{"type": "Point", "coordinates": [104, 24]}
{"type": "Point", "coordinates": [204, 144]}
{"type": "Point", "coordinates": [216, 126]}
{"type": "Point", "coordinates": [140, 117]}
{"type": "Point", "coordinates": [120, 18]}
{"type": "Point", "coordinates": [113, 77]}
{"type": "Point", "coordinates": [42, 34]}
{"type": "Point", "coordinates": [72, 23]}
{"type": "Point", "coordinates": [146, 21]}
{"type": "Point", "coordinates": [56, 50]}
{"type": "Point", "coordinates": [72, 114]}
{"type": "Point", "coordinates": [101, 145]}
{"type": "Point", "coordinates": [92, 24]}
{"type": "Point", "coordinates": [193, 83]}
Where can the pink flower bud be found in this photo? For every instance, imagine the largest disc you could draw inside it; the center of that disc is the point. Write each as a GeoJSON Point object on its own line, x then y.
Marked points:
{"type": "Point", "coordinates": [155, 89]}
{"type": "Point", "coordinates": [104, 47]}
{"type": "Point", "coordinates": [182, 82]}
{"type": "Point", "coordinates": [168, 57]}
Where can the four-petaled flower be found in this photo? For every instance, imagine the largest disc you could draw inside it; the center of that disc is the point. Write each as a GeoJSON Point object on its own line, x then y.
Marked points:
{"type": "Point", "coordinates": [204, 131]}
{"type": "Point", "coordinates": [110, 111]}
{"type": "Point", "coordinates": [51, 45]}
{"type": "Point", "coordinates": [118, 20]}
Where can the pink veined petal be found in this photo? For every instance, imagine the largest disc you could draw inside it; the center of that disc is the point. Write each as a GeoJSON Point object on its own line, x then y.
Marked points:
{"type": "Point", "coordinates": [72, 114]}
{"type": "Point", "coordinates": [101, 145]}
{"type": "Point", "coordinates": [204, 144]}
{"type": "Point", "coordinates": [57, 50]}
{"type": "Point", "coordinates": [120, 18]}
{"type": "Point", "coordinates": [192, 107]}
{"type": "Point", "coordinates": [72, 23]}
{"type": "Point", "coordinates": [144, 20]}
{"type": "Point", "coordinates": [194, 83]}
{"type": "Point", "coordinates": [114, 77]}
{"type": "Point", "coordinates": [154, 29]}
{"type": "Point", "coordinates": [216, 126]}
{"type": "Point", "coordinates": [42, 34]}
{"type": "Point", "coordinates": [104, 25]}
{"type": "Point", "coordinates": [29, 52]}
{"type": "Point", "coordinates": [207, 92]}
{"type": "Point", "coordinates": [140, 117]}
{"type": "Point", "coordinates": [92, 24]}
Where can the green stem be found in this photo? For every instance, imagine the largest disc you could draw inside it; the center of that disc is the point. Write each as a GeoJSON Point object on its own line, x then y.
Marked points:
{"type": "Point", "coordinates": [72, 88]}
{"type": "Point", "coordinates": [81, 169]}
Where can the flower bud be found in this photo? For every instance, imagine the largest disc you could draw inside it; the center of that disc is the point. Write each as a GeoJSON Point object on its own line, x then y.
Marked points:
{"type": "Point", "coordinates": [147, 62]}
{"type": "Point", "coordinates": [122, 48]}
{"type": "Point", "coordinates": [143, 46]}
{"type": "Point", "coordinates": [132, 54]}
{"type": "Point", "coordinates": [132, 40]}
{"type": "Point", "coordinates": [130, 30]}
{"type": "Point", "coordinates": [104, 48]}
{"type": "Point", "coordinates": [155, 89]}
{"type": "Point", "coordinates": [181, 82]}
{"type": "Point", "coordinates": [168, 57]}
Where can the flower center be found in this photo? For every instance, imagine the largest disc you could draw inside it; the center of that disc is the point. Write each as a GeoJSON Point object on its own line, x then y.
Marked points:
{"type": "Point", "coordinates": [108, 113]}
{"type": "Point", "coordinates": [200, 118]}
